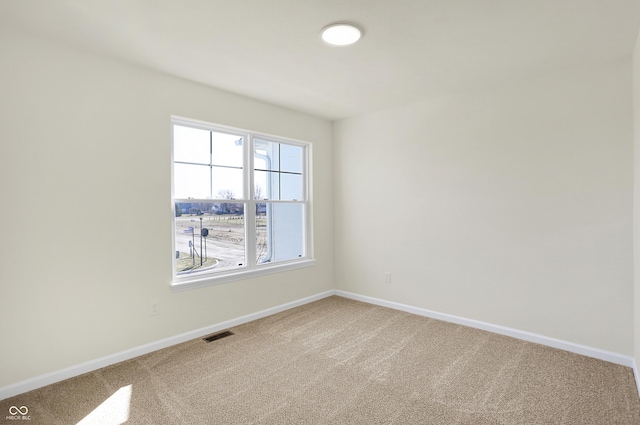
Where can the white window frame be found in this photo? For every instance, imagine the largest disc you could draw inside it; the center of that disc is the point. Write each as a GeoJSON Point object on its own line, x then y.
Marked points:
{"type": "Point", "coordinates": [250, 268]}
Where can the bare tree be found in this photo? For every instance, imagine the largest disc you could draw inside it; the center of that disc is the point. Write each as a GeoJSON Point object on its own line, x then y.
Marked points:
{"type": "Point", "coordinates": [258, 193]}
{"type": "Point", "coordinates": [229, 208]}
{"type": "Point", "coordinates": [258, 196]}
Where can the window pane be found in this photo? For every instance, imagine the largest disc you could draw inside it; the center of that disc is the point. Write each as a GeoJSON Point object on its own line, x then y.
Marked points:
{"type": "Point", "coordinates": [290, 187]}
{"type": "Point", "coordinates": [226, 149]}
{"type": "Point", "coordinates": [267, 185]}
{"type": "Point", "coordinates": [290, 158]}
{"type": "Point", "coordinates": [190, 145]}
{"type": "Point", "coordinates": [277, 186]}
{"type": "Point", "coordinates": [227, 183]}
{"type": "Point", "coordinates": [261, 232]}
{"type": "Point", "coordinates": [278, 156]}
{"type": "Point", "coordinates": [260, 185]}
{"type": "Point", "coordinates": [191, 181]}
{"type": "Point", "coordinates": [279, 232]}
{"type": "Point", "coordinates": [278, 171]}
{"type": "Point", "coordinates": [209, 236]}
{"type": "Point", "coordinates": [266, 155]}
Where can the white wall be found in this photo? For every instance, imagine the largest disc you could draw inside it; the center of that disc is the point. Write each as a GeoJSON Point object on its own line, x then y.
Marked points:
{"type": "Point", "coordinates": [511, 206]}
{"type": "Point", "coordinates": [636, 198]}
{"type": "Point", "coordinates": [85, 229]}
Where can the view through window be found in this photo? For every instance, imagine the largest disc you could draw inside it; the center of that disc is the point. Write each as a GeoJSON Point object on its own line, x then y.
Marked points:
{"type": "Point", "coordinates": [240, 200]}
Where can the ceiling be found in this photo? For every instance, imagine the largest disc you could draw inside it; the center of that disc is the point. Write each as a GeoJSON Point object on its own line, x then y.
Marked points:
{"type": "Point", "coordinates": [271, 50]}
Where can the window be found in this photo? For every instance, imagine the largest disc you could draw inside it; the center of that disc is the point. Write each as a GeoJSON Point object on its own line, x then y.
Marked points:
{"type": "Point", "coordinates": [240, 202]}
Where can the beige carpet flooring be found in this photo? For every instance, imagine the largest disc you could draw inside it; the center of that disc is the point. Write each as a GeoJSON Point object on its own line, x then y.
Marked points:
{"type": "Point", "coordinates": [338, 361]}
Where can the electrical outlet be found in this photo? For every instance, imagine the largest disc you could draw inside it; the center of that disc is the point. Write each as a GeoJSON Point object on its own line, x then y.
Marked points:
{"type": "Point", "coordinates": [154, 308]}
{"type": "Point", "coordinates": [387, 277]}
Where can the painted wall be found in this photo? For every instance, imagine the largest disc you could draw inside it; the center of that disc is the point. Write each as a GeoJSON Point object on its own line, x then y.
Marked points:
{"type": "Point", "coordinates": [636, 199]}
{"type": "Point", "coordinates": [86, 209]}
{"type": "Point", "coordinates": [511, 205]}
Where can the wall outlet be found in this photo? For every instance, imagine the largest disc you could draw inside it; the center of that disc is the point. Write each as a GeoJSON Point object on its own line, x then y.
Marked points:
{"type": "Point", "coordinates": [387, 277]}
{"type": "Point", "coordinates": [154, 309]}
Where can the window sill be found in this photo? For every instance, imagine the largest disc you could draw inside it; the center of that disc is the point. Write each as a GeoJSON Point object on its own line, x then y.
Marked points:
{"type": "Point", "coordinates": [203, 280]}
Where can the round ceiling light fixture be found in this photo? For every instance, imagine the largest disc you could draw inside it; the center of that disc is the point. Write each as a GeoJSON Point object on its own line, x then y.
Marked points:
{"type": "Point", "coordinates": [341, 34]}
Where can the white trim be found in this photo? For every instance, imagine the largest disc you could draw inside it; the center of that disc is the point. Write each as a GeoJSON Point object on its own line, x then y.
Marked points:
{"type": "Point", "coordinates": [92, 365]}
{"type": "Point", "coordinates": [501, 330]}
{"type": "Point", "coordinates": [199, 280]}
{"type": "Point", "coordinates": [636, 374]}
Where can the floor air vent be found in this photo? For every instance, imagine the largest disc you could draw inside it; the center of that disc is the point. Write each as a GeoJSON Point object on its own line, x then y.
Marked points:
{"type": "Point", "coordinates": [217, 336]}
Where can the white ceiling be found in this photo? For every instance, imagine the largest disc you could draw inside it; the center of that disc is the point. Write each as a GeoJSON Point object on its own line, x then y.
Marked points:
{"type": "Point", "coordinates": [271, 50]}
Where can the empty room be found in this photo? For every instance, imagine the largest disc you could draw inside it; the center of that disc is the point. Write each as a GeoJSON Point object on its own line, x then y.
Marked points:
{"type": "Point", "coordinates": [322, 212]}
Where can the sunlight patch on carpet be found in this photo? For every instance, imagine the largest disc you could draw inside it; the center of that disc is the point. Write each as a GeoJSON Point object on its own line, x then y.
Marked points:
{"type": "Point", "coordinates": [113, 411]}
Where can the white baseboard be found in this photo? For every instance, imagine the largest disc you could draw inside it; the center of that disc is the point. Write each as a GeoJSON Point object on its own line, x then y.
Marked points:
{"type": "Point", "coordinates": [90, 366]}
{"type": "Point", "coordinates": [502, 330]}
{"type": "Point", "coordinates": [50, 378]}
{"type": "Point", "coordinates": [637, 375]}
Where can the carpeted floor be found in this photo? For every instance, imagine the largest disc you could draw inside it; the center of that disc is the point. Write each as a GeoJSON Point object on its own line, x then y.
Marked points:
{"type": "Point", "coordinates": [338, 361]}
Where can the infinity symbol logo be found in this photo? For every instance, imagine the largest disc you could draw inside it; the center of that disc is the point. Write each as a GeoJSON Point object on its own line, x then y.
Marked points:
{"type": "Point", "coordinates": [22, 410]}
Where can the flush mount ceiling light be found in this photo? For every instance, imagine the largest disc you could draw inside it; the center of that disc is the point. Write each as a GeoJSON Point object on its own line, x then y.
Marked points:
{"type": "Point", "coordinates": [341, 34]}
